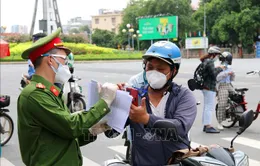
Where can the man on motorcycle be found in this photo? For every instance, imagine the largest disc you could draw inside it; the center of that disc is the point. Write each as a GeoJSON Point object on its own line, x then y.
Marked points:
{"type": "Point", "coordinates": [224, 86]}
{"type": "Point", "coordinates": [162, 99]}
{"type": "Point", "coordinates": [48, 134]}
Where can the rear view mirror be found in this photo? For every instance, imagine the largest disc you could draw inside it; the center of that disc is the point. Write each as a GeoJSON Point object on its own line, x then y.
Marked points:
{"type": "Point", "coordinates": [245, 121]}
{"type": "Point", "coordinates": [166, 130]}
{"type": "Point", "coordinates": [192, 84]}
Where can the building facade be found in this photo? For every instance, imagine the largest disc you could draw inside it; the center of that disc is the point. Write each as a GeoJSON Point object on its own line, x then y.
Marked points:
{"type": "Point", "coordinates": [23, 29]}
{"type": "Point", "coordinates": [75, 23]}
{"type": "Point", "coordinates": [107, 20]}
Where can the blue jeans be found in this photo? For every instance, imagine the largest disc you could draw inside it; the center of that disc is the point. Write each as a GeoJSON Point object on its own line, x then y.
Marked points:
{"type": "Point", "coordinates": [209, 106]}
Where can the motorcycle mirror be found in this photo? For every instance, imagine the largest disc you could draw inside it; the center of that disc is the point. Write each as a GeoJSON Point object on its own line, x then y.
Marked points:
{"type": "Point", "coordinates": [166, 130]}
{"type": "Point", "coordinates": [245, 121]}
{"type": "Point", "coordinates": [192, 84]}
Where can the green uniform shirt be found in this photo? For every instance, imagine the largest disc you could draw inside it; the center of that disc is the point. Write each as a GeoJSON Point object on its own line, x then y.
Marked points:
{"type": "Point", "coordinates": [48, 133]}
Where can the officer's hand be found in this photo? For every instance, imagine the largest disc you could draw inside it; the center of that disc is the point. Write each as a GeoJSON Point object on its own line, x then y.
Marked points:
{"type": "Point", "coordinates": [108, 92]}
{"type": "Point", "coordinates": [99, 128]}
{"type": "Point", "coordinates": [139, 114]}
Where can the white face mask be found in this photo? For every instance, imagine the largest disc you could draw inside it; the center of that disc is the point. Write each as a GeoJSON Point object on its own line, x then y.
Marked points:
{"type": "Point", "coordinates": [62, 73]}
{"type": "Point", "coordinates": [156, 79]}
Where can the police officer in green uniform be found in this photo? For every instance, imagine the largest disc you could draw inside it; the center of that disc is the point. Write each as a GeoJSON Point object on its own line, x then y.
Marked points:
{"type": "Point", "coordinates": [48, 133]}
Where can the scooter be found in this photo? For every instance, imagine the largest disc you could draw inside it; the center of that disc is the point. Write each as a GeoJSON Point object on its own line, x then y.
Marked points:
{"type": "Point", "coordinates": [213, 155]}
{"type": "Point", "coordinates": [73, 96]}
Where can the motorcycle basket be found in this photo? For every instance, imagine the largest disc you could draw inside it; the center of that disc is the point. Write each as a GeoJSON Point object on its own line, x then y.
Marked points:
{"type": "Point", "coordinates": [4, 101]}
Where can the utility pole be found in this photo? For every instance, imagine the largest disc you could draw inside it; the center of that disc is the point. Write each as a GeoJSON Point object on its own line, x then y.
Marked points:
{"type": "Point", "coordinates": [51, 18]}
{"type": "Point", "coordinates": [205, 50]}
{"type": "Point", "coordinates": [34, 17]}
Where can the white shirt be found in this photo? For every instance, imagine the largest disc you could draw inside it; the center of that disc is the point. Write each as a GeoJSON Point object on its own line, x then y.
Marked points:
{"type": "Point", "coordinates": [160, 109]}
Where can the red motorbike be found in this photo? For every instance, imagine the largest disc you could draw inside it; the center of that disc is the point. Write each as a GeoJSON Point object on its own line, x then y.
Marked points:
{"type": "Point", "coordinates": [237, 105]}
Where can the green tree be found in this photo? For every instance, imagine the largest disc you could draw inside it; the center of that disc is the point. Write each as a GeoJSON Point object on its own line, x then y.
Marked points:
{"type": "Point", "coordinates": [140, 8]}
{"type": "Point", "coordinates": [74, 30]}
{"type": "Point", "coordinates": [230, 21]}
{"type": "Point", "coordinates": [84, 28]}
{"type": "Point", "coordinates": [104, 38]}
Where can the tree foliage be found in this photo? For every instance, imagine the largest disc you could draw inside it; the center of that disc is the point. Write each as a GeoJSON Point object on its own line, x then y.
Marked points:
{"type": "Point", "coordinates": [138, 8]}
{"type": "Point", "coordinates": [104, 38]}
{"type": "Point", "coordinates": [230, 21]}
{"type": "Point", "coordinates": [84, 28]}
{"type": "Point", "coordinates": [74, 30]}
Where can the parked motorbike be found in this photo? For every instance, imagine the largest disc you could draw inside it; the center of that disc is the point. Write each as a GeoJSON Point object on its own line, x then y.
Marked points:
{"type": "Point", "coordinates": [73, 96]}
{"type": "Point", "coordinates": [72, 92]}
{"type": "Point", "coordinates": [236, 106]}
{"type": "Point", "coordinates": [6, 122]}
{"type": "Point", "coordinates": [213, 155]}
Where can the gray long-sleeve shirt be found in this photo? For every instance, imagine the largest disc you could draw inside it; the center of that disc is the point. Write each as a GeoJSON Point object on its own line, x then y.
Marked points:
{"type": "Point", "coordinates": [147, 147]}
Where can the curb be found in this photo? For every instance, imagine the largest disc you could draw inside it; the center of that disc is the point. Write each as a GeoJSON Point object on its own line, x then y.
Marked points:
{"type": "Point", "coordinates": [87, 61]}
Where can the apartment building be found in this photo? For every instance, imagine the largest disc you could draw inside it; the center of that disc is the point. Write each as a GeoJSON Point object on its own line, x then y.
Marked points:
{"type": "Point", "coordinates": [107, 20]}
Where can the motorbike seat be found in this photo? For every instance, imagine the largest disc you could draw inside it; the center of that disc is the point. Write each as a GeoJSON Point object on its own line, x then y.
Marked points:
{"type": "Point", "coordinates": [241, 89]}
{"type": "Point", "coordinates": [4, 101]}
{"type": "Point", "coordinates": [74, 79]}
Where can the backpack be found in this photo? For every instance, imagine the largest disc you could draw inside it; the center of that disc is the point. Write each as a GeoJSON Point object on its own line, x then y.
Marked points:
{"type": "Point", "coordinates": [198, 79]}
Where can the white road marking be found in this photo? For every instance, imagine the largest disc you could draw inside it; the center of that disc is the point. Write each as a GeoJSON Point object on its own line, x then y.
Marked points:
{"type": "Point", "coordinates": [119, 148]}
{"type": "Point", "coordinates": [5, 162]}
{"type": "Point", "coordinates": [245, 141]}
{"type": "Point", "coordinates": [88, 162]}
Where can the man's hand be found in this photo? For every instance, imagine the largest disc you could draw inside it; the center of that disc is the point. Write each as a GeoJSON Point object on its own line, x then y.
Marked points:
{"type": "Point", "coordinates": [122, 86]}
{"type": "Point", "coordinates": [231, 73]}
{"type": "Point", "coordinates": [108, 92]}
{"type": "Point", "coordinates": [139, 114]}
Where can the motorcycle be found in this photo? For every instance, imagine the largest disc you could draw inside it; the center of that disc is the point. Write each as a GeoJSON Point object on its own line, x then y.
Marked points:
{"type": "Point", "coordinates": [72, 92]}
{"type": "Point", "coordinates": [6, 122]}
{"type": "Point", "coordinates": [201, 156]}
{"type": "Point", "coordinates": [73, 96]}
{"type": "Point", "coordinates": [236, 106]}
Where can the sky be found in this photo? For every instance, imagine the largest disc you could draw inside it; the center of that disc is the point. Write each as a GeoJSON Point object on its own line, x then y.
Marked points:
{"type": "Point", "coordinates": [20, 12]}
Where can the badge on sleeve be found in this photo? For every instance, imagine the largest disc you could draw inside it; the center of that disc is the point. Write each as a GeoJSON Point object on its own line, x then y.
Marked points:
{"type": "Point", "coordinates": [40, 86]}
{"type": "Point", "coordinates": [54, 91]}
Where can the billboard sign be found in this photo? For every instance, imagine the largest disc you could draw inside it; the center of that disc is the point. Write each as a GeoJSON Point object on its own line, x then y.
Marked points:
{"type": "Point", "coordinates": [196, 43]}
{"type": "Point", "coordinates": [158, 28]}
{"type": "Point", "coordinates": [258, 49]}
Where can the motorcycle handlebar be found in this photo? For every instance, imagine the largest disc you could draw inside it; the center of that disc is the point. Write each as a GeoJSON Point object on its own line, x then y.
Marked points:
{"type": "Point", "coordinates": [251, 72]}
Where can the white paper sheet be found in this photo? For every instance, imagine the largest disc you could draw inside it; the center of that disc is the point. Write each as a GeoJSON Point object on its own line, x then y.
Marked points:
{"type": "Point", "coordinates": [93, 96]}
{"type": "Point", "coordinates": [119, 110]}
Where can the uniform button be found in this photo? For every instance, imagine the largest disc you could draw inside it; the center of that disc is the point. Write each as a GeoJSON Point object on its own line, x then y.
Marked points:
{"type": "Point", "coordinates": [104, 109]}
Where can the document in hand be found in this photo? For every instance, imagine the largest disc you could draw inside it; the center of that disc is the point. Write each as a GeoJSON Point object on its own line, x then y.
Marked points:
{"type": "Point", "coordinates": [119, 110]}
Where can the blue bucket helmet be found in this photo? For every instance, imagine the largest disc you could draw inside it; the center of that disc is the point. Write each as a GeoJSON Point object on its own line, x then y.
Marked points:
{"type": "Point", "coordinates": [166, 51]}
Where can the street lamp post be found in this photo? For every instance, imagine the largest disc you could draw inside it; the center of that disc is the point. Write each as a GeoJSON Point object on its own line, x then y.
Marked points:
{"type": "Point", "coordinates": [128, 26]}
{"type": "Point", "coordinates": [133, 41]}
{"type": "Point", "coordinates": [138, 36]}
{"type": "Point", "coordinates": [131, 30]}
